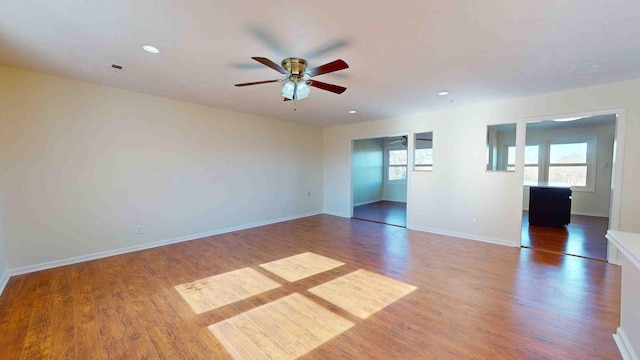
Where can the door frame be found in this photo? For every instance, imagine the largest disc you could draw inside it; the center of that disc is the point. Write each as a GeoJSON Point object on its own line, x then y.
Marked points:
{"type": "Point", "coordinates": [616, 168]}
{"type": "Point", "coordinates": [410, 146]}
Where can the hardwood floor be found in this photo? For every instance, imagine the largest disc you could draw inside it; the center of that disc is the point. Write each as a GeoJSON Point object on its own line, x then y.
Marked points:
{"type": "Point", "coordinates": [473, 300]}
{"type": "Point", "coordinates": [584, 236]}
{"type": "Point", "coordinates": [386, 212]}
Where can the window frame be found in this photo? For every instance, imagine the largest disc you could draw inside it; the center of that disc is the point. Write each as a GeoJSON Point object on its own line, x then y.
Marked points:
{"type": "Point", "coordinates": [388, 166]}
{"type": "Point", "coordinates": [416, 148]}
{"type": "Point", "coordinates": [544, 154]}
{"type": "Point", "coordinates": [590, 161]}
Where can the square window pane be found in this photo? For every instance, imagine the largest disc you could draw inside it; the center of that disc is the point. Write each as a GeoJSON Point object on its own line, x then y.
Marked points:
{"type": "Point", "coordinates": [530, 173]}
{"type": "Point", "coordinates": [574, 175]}
{"type": "Point", "coordinates": [397, 172]}
{"type": "Point", "coordinates": [397, 157]}
{"type": "Point", "coordinates": [424, 157]}
{"type": "Point", "coordinates": [568, 153]}
{"type": "Point", "coordinates": [531, 154]}
{"type": "Point", "coordinates": [511, 156]}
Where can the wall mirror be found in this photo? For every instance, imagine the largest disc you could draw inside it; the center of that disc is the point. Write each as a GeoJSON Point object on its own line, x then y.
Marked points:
{"type": "Point", "coordinates": [501, 147]}
{"type": "Point", "coordinates": [423, 151]}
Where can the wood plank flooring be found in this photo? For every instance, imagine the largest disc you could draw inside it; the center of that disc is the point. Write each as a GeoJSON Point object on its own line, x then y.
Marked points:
{"type": "Point", "coordinates": [473, 300]}
{"type": "Point", "coordinates": [297, 267]}
{"type": "Point", "coordinates": [386, 212]}
{"type": "Point", "coordinates": [584, 236]}
{"type": "Point", "coordinates": [362, 293]}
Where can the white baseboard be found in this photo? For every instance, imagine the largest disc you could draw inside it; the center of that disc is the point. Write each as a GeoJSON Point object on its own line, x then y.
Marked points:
{"type": "Point", "coordinates": [589, 214]}
{"type": "Point", "coordinates": [582, 213]}
{"type": "Point", "coordinates": [465, 236]}
{"type": "Point", "coordinates": [3, 281]}
{"type": "Point", "coordinates": [128, 249]}
{"type": "Point", "coordinates": [344, 215]}
{"type": "Point", "coordinates": [626, 351]}
{"type": "Point", "coordinates": [367, 202]}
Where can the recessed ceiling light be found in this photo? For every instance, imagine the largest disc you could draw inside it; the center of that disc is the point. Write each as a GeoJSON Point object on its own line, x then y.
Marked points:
{"type": "Point", "coordinates": [443, 93]}
{"type": "Point", "coordinates": [353, 111]}
{"type": "Point", "coordinates": [151, 49]}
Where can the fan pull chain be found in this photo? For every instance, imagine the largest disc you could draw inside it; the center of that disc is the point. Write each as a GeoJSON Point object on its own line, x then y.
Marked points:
{"type": "Point", "coordinates": [295, 97]}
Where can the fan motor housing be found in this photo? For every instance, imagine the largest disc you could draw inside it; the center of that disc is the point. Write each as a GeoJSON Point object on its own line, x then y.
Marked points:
{"type": "Point", "coordinates": [295, 66]}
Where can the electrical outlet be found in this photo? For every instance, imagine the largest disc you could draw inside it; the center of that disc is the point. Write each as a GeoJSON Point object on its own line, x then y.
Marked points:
{"type": "Point", "coordinates": [138, 229]}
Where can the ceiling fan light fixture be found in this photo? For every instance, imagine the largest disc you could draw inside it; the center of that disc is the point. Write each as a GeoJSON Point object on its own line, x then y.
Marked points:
{"type": "Point", "coordinates": [302, 90]}
{"type": "Point", "coordinates": [288, 89]}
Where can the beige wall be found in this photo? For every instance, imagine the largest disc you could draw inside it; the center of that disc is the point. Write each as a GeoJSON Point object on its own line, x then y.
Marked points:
{"type": "Point", "coordinates": [367, 171]}
{"type": "Point", "coordinates": [459, 189]}
{"type": "Point", "coordinates": [82, 165]}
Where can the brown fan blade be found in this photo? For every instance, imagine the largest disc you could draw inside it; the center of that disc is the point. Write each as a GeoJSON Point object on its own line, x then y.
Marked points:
{"type": "Point", "coordinates": [328, 68]}
{"type": "Point", "coordinates": [271, 64]}
{"type": "Point", "coordinates": [258, 82]}
{"type": "Point", "coordinates": [328, 87]}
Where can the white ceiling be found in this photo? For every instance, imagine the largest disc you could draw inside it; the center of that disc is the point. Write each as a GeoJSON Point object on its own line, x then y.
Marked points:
{"type": "Point", "coordinates": [401, 54]}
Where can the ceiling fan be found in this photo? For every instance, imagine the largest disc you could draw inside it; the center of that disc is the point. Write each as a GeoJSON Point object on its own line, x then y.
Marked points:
{"type": "Point", "coordinates": [297, 77]}
{"type": "Point", "coordinates": [405, 140]}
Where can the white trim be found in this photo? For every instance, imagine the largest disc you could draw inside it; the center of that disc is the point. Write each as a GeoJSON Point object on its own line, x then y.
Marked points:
{"type": "Point", "coordinates": [465, 236]}
{"type": "Point", "coordinates": [368, 202]}
{"type": "Point", "coordinates": [338, 214]}
{"type": "Point", "coordinates": [626, 351]}
{"type": "Point", "coordinates": [616, 174]}
{"type": "Point", "coordinates": [588, 214]}
{"type": "Point", "coordinates": [129, 249]}
{"type": "Point", "coordinates": [3, 281]}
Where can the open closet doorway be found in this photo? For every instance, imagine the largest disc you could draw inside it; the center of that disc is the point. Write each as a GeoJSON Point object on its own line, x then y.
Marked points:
{"type": "Point", "coordinates": [379, 179]}
{"type": "Point", "coordinates": [568, 166]}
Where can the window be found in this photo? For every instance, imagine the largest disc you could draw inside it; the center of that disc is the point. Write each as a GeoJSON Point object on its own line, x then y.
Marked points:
{"type": "Point", "coordinates": [424, 159]}
{"type": "Point", "coordinates": [511, 158]}
{"type": "Point", "coordinates": [568, 163]}
{"type": "Point", "coordinates": [397, 165]}
{"type": "Point", "coordinates": [531, 163]}
{"type": "Point", "coordinates": [423, 153]}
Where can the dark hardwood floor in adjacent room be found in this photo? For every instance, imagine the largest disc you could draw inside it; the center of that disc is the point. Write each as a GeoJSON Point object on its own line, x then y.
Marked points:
{"type": "Point", "coordinates": [584, 236]}
{"type": "Point", "coordinates": [386, 212]}
{"type": "Point", "coordinates": [473, 300]}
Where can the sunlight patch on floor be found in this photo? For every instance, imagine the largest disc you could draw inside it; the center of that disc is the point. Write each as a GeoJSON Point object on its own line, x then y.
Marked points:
{"type": "Point", "coordinates": [283, 329]}
{"type": "Point", "coordinates": [362, 293]}
{"type": "Point", "coordinates": [301, 266]}
{"type": "Point", "coordinates": [220, 290]}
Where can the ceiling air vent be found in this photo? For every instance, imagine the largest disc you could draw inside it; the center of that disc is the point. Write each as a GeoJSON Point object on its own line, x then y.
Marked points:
{"type": "Point", "coordinates": [117, 68]}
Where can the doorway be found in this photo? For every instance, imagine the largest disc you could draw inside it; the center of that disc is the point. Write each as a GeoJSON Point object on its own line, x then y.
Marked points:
{"type": "Point", "coordinates": [571, 157]}
{"type": "Point", "coordinates": [379, 179]}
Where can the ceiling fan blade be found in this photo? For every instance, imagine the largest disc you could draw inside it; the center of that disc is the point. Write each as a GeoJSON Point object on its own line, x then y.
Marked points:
{"type": "Point", "coordinates": [258, 82]}
{"type": "Point", "coordinates": [394, 142]}
{"type": "Point", "coordinates": [269, 63]}
{"type": "Point", "coordinates": [425, 139]}
{"type": "Point", "coordinates": [328, 68]}
{"type": "Point", "coordinates": [328, 87]}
